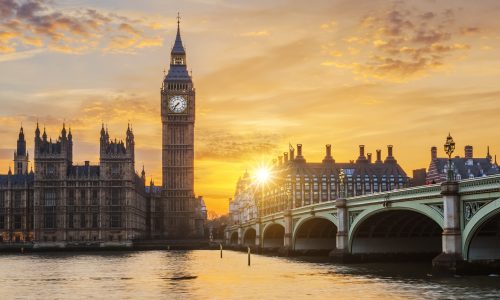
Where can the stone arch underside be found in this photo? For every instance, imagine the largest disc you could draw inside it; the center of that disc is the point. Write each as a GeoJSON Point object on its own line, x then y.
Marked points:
{"type": "Point", "coordinates": [397, 232]}
{"type": "Point", "coordinates": [249, 237]}
{"type": "Point", "coordinates": [274, 236]}
{"type": "Point", "coordinates": [315, 234]}
{"type": "Point", "coordinates": [234, 238]}
{"type": "Point", "coordinates": [485, 243]}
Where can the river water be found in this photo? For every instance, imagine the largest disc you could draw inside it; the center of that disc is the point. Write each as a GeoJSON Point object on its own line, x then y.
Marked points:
{"type": "Point", "coordinates": [204, 275]}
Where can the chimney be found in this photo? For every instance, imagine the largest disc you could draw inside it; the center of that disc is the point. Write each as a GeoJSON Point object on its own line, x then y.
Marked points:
{"type": "Point", "coordinates": [280, 160]}
{"type": "Point", "coordinates": [361, 151]}
{"type": "Point", "coordinates": [369, 155]}
{"type": "Point", "coordinates": [469, 152]}
{"type": "Point", "coordinates": [389, 150]}
{"type": "Point", "coordinates": [299, 150]}
{"type": "Point", "coordinates": [285, 157]}
{"type": "Point", "coordinates": [299, 154]}
{"type": "Point", "coordinates": [434, 151]}
{"type": "Point", "coordinates": [379, 156]}
{"type": "Point", "coordinates": [390, 157]}
{"type": "Point", "coordinates": [328, 154]}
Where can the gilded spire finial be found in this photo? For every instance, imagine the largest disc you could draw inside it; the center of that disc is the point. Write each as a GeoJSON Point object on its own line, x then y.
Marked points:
{"type": "Point", "coordinates": [178, 19]}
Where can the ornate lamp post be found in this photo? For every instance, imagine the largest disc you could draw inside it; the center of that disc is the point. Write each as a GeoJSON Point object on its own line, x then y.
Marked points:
{"type": "Point", "coordinates": [449, 147]}
{"type": "Point", "coordinates": [341, 182]}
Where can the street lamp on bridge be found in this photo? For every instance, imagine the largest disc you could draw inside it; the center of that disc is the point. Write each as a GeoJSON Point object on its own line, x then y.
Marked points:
{"type": "Point", "coordinates": [449, 147]}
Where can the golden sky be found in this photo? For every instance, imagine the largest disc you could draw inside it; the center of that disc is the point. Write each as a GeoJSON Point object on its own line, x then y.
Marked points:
{"type": "Point", "coordinates": [266, 73]}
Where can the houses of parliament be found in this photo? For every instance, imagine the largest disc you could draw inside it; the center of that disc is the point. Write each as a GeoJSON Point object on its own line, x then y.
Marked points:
{"type": "Point", "coordinates": [62, 204]}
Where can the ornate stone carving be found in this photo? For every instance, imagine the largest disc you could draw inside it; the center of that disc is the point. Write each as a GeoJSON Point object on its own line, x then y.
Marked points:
{"type": "Point", "coordinates": [471, 208]}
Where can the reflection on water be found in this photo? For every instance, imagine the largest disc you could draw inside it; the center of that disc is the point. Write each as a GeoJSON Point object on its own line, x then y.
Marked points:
{"type": "Point", "coordinates": [203, 275]}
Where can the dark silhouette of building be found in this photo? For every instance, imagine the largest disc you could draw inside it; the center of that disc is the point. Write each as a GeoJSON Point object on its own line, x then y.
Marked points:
{"type": "Point", "coordinates": [463, 167]}
{"type": "Point", "coordinates": [419, 177]}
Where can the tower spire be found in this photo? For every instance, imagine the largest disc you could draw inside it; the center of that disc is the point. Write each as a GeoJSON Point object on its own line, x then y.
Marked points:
{"type": "Point", "coordinates": [178, 48]}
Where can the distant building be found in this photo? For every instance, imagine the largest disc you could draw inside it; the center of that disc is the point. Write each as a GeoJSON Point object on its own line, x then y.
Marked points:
{"type": "Point", "coordinates": [419, 177]}
{"type": "Point", "coordinates": [298, 183]}
{"type": "Point", "coordinates": [463, 167]}
{"type": "Point", "coordinates": [242, 207]}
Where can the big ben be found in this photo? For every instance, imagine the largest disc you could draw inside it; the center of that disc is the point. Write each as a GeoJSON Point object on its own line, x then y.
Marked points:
{"type": "Point", "coordinates": [178, 118]}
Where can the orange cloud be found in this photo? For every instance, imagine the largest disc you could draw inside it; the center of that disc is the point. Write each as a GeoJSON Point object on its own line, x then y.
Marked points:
{"type": "Point", "coordinates": [38, 24]}
{"type": "Point", "coordinates": [256, 33]}
{"type": "Point", "coordinates": [404, 43]}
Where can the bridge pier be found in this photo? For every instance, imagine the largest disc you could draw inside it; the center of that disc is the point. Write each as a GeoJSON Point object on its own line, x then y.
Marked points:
{"type": "Point", "coordinates": [258, 247]}
{"type": "Point", "coordinates": [451, 258]}
{"type": "Point", "coordinates": [288, 237]}
{"type": "Point", "coordinates": [240, 237]}
{"type": "Point", "coordinates": [227, 237]}
{"type": "Point", "coordinates": [341, 252]}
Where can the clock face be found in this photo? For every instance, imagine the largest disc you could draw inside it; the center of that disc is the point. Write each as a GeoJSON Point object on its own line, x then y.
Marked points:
{"type": "Point", "coordinates": [177, 104]}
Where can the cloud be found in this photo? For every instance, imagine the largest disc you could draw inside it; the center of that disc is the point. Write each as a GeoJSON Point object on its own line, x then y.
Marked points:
{"type": "Point", "coordinates": [259, 33]}
{"type": "Point", "coordinates": [30, 24]}
{"type": "Point", "coordinates": [400, 43]}
{"type": "Point", "coordinates": [221, 144]}
{"type": "Point", "coordinates": [330, 27]}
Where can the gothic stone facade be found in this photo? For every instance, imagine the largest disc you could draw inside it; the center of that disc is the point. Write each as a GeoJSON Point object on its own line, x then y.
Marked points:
{"type": "Point", "coordinates": [17, 198]}
{"type": "Point", "coordinates": [65, 205]}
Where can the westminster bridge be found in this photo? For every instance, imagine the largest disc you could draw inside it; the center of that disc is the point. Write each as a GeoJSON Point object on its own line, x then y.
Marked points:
{"type": "Point", "coordinates": [458, 221]}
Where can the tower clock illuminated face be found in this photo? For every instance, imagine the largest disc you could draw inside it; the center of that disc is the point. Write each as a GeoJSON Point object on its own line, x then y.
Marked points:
{"type": "Point", "coordinates": [177, 104]}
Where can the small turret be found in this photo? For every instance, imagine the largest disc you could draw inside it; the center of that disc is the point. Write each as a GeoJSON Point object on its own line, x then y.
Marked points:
{"type": "Point", "coordinates": [63, 132]}
{"type": "Point", "coordinates": [21, 157]}
{"type": "Point", "coordinates": [37, 131]}
{"type": "Point", "coordinates": [143, 175]}
{"type": "Point", "coordinates": [44, 135]}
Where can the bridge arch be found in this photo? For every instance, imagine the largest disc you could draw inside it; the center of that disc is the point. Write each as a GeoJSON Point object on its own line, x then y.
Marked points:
{"type": "Point", "coordinates": [234, 238]}
{"type": "Point", "coordinates": [249, 237]}
{"type": "Point", "coordinates": [315, 233]}
{"type": "Point", "coordinates": [481, 235]}
{"type": "Point", "coordinates": [396, 230]}
{"type": "Point", "coordinates": [273, 236]}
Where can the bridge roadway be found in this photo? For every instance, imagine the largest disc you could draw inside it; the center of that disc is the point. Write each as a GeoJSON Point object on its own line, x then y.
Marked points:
{"type": "Point", "coordinates": [455, 222]}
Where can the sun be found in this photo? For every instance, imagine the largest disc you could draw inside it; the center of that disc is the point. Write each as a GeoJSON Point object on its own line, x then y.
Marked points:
{"type": "Point", "coordinates": [262, 175]}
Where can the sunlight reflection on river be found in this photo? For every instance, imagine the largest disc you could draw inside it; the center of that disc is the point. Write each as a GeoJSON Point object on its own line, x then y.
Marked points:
{"type": "Point", "coordinates": [203, 275]}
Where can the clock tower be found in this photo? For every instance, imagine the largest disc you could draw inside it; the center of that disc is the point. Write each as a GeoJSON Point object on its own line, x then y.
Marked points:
{"type": "Point", "coordinates": [178, 116]}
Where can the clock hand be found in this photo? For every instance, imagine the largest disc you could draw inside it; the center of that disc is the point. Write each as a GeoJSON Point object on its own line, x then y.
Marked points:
{"type": "Point", "coordinates": [175, 106]}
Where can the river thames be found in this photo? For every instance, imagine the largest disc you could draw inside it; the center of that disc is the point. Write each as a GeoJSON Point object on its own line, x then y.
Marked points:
{"type": "Point", "coordinates": [204, 275]}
